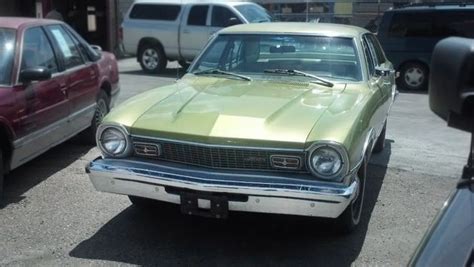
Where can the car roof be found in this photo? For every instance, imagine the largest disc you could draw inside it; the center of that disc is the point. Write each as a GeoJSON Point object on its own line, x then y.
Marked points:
{"type": "Point", "coordinates": [432, 7]}
{"type": "Point", "coordinates": [230, 2]}
{"type": "Point", "coordinates": [18, 22]}
{"type": "Point", "coordinates": [326, 29]}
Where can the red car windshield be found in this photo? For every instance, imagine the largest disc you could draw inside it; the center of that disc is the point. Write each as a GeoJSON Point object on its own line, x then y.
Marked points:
{"type": "Point", "coordinates": [7, 51]}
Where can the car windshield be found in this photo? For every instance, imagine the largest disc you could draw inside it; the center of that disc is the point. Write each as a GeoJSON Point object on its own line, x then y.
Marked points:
{"type": "Point", "coordinates": [328, 57]}
{"type": "Point", "coordinates": [7, 51]}
{"type": "Point", "coordinates": [254, 13]}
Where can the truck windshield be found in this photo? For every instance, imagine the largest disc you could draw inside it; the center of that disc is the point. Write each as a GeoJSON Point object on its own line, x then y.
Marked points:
{"type": "Point", "coordinates": [254, 13]}
{"type": "Point", "coordinates": [7, 51]}
{"type": "Point", "coordinates": [333, 58]}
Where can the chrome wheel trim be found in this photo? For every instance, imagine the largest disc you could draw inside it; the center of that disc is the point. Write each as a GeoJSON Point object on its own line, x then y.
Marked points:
{"type": "Point", "coordinates": [150, 58]}
{"type": "Point", "coordinates": [414, 76]}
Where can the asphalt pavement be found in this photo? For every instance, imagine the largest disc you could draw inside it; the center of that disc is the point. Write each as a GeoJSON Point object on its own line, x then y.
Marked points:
{"type": "Point", "coordinates": [54, 217]}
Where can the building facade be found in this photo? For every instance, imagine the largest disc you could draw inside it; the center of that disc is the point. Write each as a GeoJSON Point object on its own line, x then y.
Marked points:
{"type": "Point", "coordinates": [96, 20]}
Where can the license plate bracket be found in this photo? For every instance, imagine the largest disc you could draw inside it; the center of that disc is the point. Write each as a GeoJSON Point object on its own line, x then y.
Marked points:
{"type": "Point", "coordinates": [219, 205]}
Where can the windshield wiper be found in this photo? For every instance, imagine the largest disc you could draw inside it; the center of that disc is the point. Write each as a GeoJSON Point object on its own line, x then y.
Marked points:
{"type": "Point", "coordinates": [218, 71]}
{"type": "Point", "coordinates": [300, 73]}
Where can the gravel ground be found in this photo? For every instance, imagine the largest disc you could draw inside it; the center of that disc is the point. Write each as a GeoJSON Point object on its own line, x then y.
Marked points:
{"type": "Point", "coordinates": [54, 217]}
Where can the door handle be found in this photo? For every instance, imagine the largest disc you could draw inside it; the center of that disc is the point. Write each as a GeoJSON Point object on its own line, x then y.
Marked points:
{"type": "Point", "coordinates": [186, 31]}
{"type": "Point", "coordinates": [63, 88]}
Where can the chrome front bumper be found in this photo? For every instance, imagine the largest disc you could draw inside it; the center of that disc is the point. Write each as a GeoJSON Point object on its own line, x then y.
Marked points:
{"type": "Point", "coordinates": [260, 192]}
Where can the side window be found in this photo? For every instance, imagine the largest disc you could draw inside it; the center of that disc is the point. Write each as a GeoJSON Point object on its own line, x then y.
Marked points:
{"type": "Point", "coordinates": [37, 51]}
{"type": "Point", "coordinates": [198, 15]}
{"type": "Point", "coordinates": [71, 55]}
{"type": "Point", "coordinates": [411, 25]}
{"type": "Point", "coordinates": [221, 16]}
{"type": "Point", "coordinates": [377, 48]}
{"type": "Point", "coordinates": [213, 55]}
{"type": "Point", "coordinates": [369, 57]}
{"type": "Point", "coordinates": [82, 49]}
{"type": "Point", "coordinates": [155, 12]}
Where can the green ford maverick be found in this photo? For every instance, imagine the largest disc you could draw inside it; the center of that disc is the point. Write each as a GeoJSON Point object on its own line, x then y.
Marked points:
{"type": "Point", "coordinates": [270, 118]}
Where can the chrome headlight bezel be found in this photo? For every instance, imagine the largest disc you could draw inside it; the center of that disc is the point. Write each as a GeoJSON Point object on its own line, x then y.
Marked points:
{"type": "Point", "coordinates": [340, 150]}
{"type": "Point", "coordinates": [120, 128]}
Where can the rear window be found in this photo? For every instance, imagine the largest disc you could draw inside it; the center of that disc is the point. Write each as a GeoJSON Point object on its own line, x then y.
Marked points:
{"type": "Point", "coordinates": [433, 24]}
{"type": "Point", "coordinates": [155, 12]}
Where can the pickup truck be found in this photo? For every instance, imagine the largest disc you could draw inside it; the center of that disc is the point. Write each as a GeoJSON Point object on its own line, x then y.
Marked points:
{"type": "Point", "coordinates": [158, 31]}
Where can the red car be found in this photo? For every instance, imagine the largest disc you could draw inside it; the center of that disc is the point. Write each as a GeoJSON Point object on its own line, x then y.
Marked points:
{"type": "Point", "coordinates": [53, 85]}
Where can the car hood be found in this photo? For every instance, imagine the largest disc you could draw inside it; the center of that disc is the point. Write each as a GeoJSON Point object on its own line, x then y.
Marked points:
{"type": "Point", "coordinates": [204, 108]}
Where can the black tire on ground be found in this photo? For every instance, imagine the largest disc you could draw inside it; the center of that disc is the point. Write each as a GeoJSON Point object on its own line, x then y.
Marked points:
{"type": "Point", "coordinates": [380, 143]}
{"type": "Point", "coordinates": [413, 76]}
{"type": "Point", "coordinates": [348, 221]}
{"type": "Point", "coordinates": [152, 58]}
{"type": "Point", "coordinates": [141, 202]}
{"type": "Point", "coordinates": [102, 109]}
{"type": "Point", "coordinates": [1, 178]}
{"type": "Point", "coordinates": [184, 64]}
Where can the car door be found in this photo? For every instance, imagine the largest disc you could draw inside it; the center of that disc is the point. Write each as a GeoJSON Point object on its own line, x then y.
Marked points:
{"type": "Point", "coordinates": [194, 31]}
{"type": "Point", "coordinates": [82, 76]}
{"type": "Point", "coordinates": [44, 104]}
{"type": "Point", "coordinates": [378, 100]}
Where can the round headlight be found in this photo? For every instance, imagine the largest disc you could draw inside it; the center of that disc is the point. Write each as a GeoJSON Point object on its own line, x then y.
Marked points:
{"type": "Point", "coordinates": [113, 142]}
{"type": "Point", "coordinates": [326, 162]}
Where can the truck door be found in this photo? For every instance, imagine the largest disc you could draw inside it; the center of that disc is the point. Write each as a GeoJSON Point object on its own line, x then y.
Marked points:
{"type": "Point", "coordinates": [195, 31]}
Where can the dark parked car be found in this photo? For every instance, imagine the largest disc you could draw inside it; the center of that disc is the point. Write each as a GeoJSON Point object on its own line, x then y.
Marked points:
{"type": "Point", "coordinates": [409, 34]}
{"type": "Point", "coordinates": [450, 240]}
{"type": "Point", "coordinates": [53, 85]}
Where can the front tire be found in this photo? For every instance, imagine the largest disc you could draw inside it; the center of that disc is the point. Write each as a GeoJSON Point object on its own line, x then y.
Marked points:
{"type": "Point", "coordinates": [380, 143]}
{"type": "Point", "coordinates": [142, 203]}
{"type": "Point", "coordinates": [101, 110]}
{"type": "Point", "coordinates": [2, 177]}
{"type": "Point", "coordinates": [152, 58]}
{"type": "Point", "coordinates": [348, 221]}
{"type": "Point", "coordinates": [413, 76]}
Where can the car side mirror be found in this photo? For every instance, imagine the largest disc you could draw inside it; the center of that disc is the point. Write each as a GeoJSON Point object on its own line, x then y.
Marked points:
{"type": "Point", "coordinates": [451, 84]}
{"type": "Point", "coordinates": [35, 74]}
{"type": "Point", "coordinates": [233, 21]}
{"type": "Point", "coordinates": [97, 48]}
{"type": "Point", "coordinates": [381, 71]}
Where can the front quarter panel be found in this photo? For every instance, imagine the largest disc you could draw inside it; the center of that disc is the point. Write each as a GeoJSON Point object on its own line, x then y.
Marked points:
{"type": "Point", "coordinates": [129, 111]}
{"type": "Point", "coordinates": [351, 121]}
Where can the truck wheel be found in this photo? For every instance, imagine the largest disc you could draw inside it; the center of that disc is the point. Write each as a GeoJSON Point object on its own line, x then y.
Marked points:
{"type": "Point", "coordinates": [413, 76]}
{"type": "Point", "coordinates": [380, 143]}
{"type": "Point", "coordinates": [102, 109]}
{"type": "Point", "coordinates": [152, 58]}
{"type": "Point", "coordinates": [347, 222]}
{"type": "Point", "coordinates": [184, 64]}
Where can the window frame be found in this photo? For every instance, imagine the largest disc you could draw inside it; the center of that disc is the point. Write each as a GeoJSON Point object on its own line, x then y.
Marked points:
{"type": "Point", "coordinates": [206, 18]}
{"type": "Point", "coordinates": [369, 57]}
{"type": "Point", "coordinates": [225, 7]}
{"type": "Point", "coordinates": [178, 13]}
{"type": "Point", "coordinates": [59, 63]}
{"type": "Point", "coordinates": [58, 48]}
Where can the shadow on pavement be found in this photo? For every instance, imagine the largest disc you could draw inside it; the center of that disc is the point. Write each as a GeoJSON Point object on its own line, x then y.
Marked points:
{"type": "Point", "coordinates": [166, 73]}
{"type": "Point", "coordinates": [163, 236]}
{"type": "Point", "coordinates": [24, 178]}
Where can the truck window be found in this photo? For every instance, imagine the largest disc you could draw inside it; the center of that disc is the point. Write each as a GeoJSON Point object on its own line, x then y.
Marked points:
{"type": "Point", "coordinates": [155, 12]}
{"type": "Point", "coordinates": [221, 16]}
{"type": "Point", "coordinates": [198, 15]}
{"type": "Point", "coordinates": [454, 23]}
{"type": "Point", "coordinates": [411, 25]}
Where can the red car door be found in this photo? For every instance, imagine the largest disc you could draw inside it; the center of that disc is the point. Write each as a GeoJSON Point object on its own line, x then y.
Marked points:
{"type": "Point", "coordinates": [43, 106]}
{"type": "Point", "coordinates": [82, 77]}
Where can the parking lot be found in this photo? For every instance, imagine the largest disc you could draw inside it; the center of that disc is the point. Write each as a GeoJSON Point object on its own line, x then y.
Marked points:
{"type": "Point", "coordinates": [54, 216]}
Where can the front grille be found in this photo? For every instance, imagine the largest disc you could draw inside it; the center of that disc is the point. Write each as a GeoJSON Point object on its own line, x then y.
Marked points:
{"type": "Point", "coordinates": [223, 157]}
